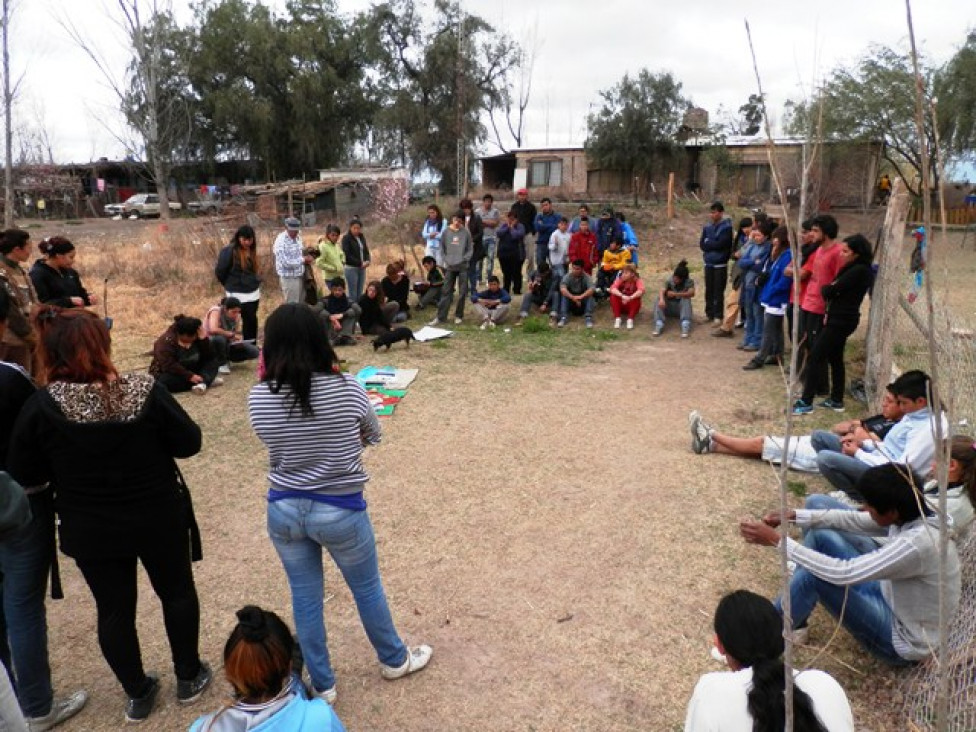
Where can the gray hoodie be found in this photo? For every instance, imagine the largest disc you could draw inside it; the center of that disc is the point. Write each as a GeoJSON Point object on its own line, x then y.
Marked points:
{"type": "Point", "coordinates": [457, 247]}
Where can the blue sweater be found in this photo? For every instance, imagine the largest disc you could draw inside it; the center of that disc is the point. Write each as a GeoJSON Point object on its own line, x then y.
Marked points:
{"type": "Point", "coordinates": [716, 242]}
{"type": "Point", "coordinates": [752, 260]}
{"type": "Point", "coordinates": [776, 293]}
{"type": "Point", "coordinates": [544, 225]}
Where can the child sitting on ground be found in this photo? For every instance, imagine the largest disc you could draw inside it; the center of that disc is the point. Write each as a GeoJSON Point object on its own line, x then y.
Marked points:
{"type": "Point", "coordinates": [339, 314]}
{"type": "Point", "coordinates": [615, 258]}
{"type": "Point", "coordinates": [429, 291]}
{"type": "Point", "coordinates": [492, 304]}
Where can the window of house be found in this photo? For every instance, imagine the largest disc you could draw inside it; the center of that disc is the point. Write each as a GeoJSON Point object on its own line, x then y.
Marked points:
{"type": "Point", "coordinates": [544, 173]}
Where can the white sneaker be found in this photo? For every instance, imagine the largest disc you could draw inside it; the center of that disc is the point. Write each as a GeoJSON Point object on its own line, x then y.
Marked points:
{"type": "Point", "coordinates": [200, 388]}
{"type": "Point", "coordinates": [417, 658]}
{"type": "Point", "coordinates": [435, 322]}
{"type": "Point", "coordinates": [224, 369]}
{"type": "Point", "coordinates": [484, 326]}
{"type": "Point", "coordinates": [801, 635]}
{"type": "Point", "coordinates": [458, 321]}
{"type": "Point", "coordinates": [630, 323]}
{"type": "Point", "coordinates": [62, 708]}
{"type": "Point", "coordinates": [492, 324]}
{"type": "Point", "coordinates": [717, 655]}
{"type": "Point", "coordinates": [217, 381]}
{"type": "Point", "coordinates": [616, 322]}
{"type": "Point", "coordinates": [329, 695]}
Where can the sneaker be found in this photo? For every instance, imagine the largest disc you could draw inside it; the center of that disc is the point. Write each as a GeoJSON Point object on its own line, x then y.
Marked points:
{"type": "Point", "coordinates": [200, 388]}
{"type": "Point", "coordinates": [417, 658]}
{"type": "Point", "coordinates": [458, 321]}
{"type": "Point", "coordinates": [801, 635]}
{"type": "Point", "coordinates": [716, 321]}
{"type": "Point", "coordinates": [329, 695]}
{"type": "Point", "coordinates": [750, 349]}
{"type": "Point", "coordinates": [617, 322]}
{"type": "Point", "coordinates": [717, 655]}
{"type": "Point", "coordinates": [188, 692]}
{"type": "Point", "coordinates": [138, 708]}
{"type": "Point", "coordinates": [589, 322]}
{"type": "Point", "coordinates": [218, 381]}
{"type": "Point", "coordinates": [831, 404]}
{"type": "Point", "coordinates": [630, 323]}
{"type": "Point", "coordinates": [658, 329]}
{"type": "Point", "coordinates": [224, 369]}
{"type": "Point", "coordinates": [521, 319]}
{"type": "Point", "coordinates": [701, 434]}
{"type": "Point", "coordinates": [685, 334]}
{"type": "Point", "coordinates": [753, 365]}
{"type": "Point", "coordinates": [62, 708]}
{"type": "Point", "coordinates": [561, 323]}
{"type": "Point", "coordinates": [492, 324]}
{"type": "Point", "coordinates": [801, 407]}
{"type": "Point", "coordinates": [435, 322]}
{"type": "Point", "coordinates": [484, 326]}
{"type": "Point", "coordinates": [720, 333]}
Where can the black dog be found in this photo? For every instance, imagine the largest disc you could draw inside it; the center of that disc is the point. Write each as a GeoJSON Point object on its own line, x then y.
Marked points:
{"type": "Point", "coordinates": [393, 336]}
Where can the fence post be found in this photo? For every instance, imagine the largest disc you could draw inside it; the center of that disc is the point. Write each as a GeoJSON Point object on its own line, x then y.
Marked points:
{"type": "Point", "coordinates": [884, 296]}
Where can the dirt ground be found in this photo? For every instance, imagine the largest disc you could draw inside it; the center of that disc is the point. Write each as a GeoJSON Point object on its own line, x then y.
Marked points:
{"type": "Point", "coordinates": [541, 522]}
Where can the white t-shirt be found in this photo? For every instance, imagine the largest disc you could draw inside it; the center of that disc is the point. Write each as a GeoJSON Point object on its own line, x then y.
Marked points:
{"type": "Point", "coordinates": [719, 703]}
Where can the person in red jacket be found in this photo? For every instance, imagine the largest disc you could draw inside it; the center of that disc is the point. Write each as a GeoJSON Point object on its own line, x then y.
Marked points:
{"type": "Point", "coordinates": [582, 245]}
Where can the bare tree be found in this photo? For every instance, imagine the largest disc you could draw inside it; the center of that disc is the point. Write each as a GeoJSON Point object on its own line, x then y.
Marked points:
{"type": "Point", "coordinates": [513, 99]}
{"type": "Point", "coordinates": [9, 94]}
{"type": "Point", "coordinates": [151, 92]}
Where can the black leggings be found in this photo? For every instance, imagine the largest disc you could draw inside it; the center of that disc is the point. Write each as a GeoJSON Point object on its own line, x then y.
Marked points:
{"type": "Point", "coordinates": [249, 320]}
{"type": "Point", "coordinates": [511, 274]}
{"type": "Point", "coordinates": [112, 581]}
{"type": "Point", "coordinates": [828, 350]}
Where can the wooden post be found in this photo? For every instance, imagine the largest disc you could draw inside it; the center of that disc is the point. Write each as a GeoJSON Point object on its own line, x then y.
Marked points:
{"type": "Point", "coordinates": [885, 295]}
{"type": "Point", "coordinates": [290, 207]}
{"type": "Point", "coordinates": [671, 195]}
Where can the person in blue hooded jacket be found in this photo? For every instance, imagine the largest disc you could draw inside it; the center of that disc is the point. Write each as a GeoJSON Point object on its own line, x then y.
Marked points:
{"type": "Point", "coordinates": [775, 299]}
{"type": "Point", "coordinates": [546, 222]}
{"type": "Point", "coordinates": [716, 245]}
{"type": "Point", "coordinates": [751, 262]}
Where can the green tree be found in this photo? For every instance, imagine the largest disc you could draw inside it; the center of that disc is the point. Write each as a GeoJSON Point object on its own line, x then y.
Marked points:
{"type": "Point", "coordinates": [751, 116]}
{"type": "Point", "coordinates": [434, 77]}
{"type": "Point", "coordinates": [956, 88]}
{"type": "Point", "coordinates": [874, 100]}
{"type": "Point", "coordinates": [636, 127]}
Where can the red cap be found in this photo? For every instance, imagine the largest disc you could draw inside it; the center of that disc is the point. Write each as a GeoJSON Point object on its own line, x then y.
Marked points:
{"type": "Point", "coordinates": [521, 191]}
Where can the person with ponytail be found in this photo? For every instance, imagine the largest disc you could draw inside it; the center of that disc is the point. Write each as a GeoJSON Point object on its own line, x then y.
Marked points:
{"type": "Point", "coordinates": [749, 697]}
{"type": "Point", "coordinates": [268, 693]}
{"type": "Point", "coordinates": [238, 270]}
{"type": "Point", "coordinates": [54, 277]}
{"type": "Point", "coordinates": [183, 358]}
{"type": "Point", "coordinates": [961, 485]}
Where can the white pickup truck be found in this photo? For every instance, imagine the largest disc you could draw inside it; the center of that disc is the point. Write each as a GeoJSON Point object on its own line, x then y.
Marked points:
{"type": "Point", "coordinates": [141, 205]}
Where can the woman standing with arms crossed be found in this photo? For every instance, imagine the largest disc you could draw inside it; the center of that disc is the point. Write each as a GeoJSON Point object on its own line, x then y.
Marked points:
{"type": "Point", "coordinates": [237, 270]}
{"type": "Point", "coordinates": [107, 442]}
{"type": "Point", "coordinates": [356, 254]}
{"type": "Point", "coordinates": [315, 422]}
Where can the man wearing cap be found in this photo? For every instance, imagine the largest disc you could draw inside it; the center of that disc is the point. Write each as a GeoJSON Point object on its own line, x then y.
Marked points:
{"type": "Point", "coordinates": [525, 212]}
{"type": "Point", "coordinates": [289, 261]}
{"type": "Point", "coordinates": [716, 246]}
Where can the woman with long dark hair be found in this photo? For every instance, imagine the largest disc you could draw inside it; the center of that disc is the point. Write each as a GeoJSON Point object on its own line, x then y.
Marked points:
{"type": "Point", "coordinates": [843, 297]}
{"type": "Point", "coordinates": [749, 697]}
{"type": "Point", "coordinates": [315, 422]}
{"type": "Point", "coordinates": [54, 276]}
{"type": "Point", "coordinates": [268, 694]}
{"type": "Point", "coordinates": [107, 442]}
{"type": "Point", "coordinates": [377, 314]}
{"type": "Point", "coordinates": [774, 298]}
{"type": "Point", "coordinates": [238, 270]}
{"type": "Point", "coordinates": [183, 358]}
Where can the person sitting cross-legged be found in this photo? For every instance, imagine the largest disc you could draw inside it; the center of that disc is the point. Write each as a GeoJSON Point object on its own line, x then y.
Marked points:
{"type": "Point", "coordinates": [625, 296]}
{"type": "Point", "coordinates": [492, 304]}
{"type": "Point", "coordinates": [749, 695]}
{"type": "Point", "coordinates": [842, 460]}
{"type": "Point", "coordinates": [223, 326]}
{"type": "Point", "coordinates": [340, 313]}
{"type": "Point", "coordinates": [429, 291]}
{"type": "Point", "coordinates": [576, 295]}
{"type": "Point", "coordinates": [801, 454]}
{"type": "Point", "coordinates": [888, 598]}
{"type": "Point", "coordinates": [675, 300]}
{"type": "Point", "coordinates": [539, 292]}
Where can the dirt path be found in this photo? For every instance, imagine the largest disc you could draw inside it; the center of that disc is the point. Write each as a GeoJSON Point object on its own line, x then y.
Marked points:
{"type": "Point", "coordinates": [545, 527]}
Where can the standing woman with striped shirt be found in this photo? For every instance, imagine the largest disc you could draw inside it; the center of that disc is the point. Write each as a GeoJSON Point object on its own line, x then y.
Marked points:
{"type": "Point", "coordinates": [315, 422]}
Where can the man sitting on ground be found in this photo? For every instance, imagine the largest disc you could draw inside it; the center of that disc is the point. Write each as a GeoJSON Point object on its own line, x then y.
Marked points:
{"type": "Point", "coordinates": [539, 292]}
{"type": "Point", "coordinates": [492, 304]}
{"type": "Point", "coordinates": [675, 300]}
{"type": "Point", "coordinates": [801, 454]}
{"type": "Point", "coordinates": [910, 442]}
{"type": "Point", "coordinates": [338, 313]}
{"type": "Point", "coordinates": [576, 293]}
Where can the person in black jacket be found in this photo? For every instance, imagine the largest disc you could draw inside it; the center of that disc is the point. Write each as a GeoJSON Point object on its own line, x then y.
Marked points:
{"type": "Point", "coordinates": [477, 230]}
{"type": "Point", "coordinates": [108, 442]}
{"type": "Point", "coordinates": [843, 297]}
{"type": "Point", "coordinates": [356, 252]}
{"type": "Point", "coordinates": [237, 270]}
{"type": "Point", "coordinates": [183, 359]}
{"type": "Point", "coordinates": [55, 282]}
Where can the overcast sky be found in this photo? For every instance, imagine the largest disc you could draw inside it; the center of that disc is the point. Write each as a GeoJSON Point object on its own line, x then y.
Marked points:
{"type": "Point", "coordinates": [583, 46]}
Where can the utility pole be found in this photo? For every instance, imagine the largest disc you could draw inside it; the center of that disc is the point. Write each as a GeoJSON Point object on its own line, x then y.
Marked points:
{"type": "Point", "coordinates": [8, 103]}
{"type": "Point", "coordinates": [459, 108]}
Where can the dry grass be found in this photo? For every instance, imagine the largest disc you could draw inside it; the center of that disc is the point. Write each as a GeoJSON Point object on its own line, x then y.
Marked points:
{"type": "Point", "coordinates": [540, 518]}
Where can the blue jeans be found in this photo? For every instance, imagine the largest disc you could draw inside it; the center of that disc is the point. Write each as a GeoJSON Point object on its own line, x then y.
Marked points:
{"type": "Point", "coordinates": [866, 615]}
{"type": "Point", "coordinates": [567, 306]}
{"type": "Point", "coordinates": [841, 471]}
{"type": "Point", "coordinates": [753, 315]}
{"type": "Point", "coordinates": [355, 282]}
{"type": "Point", "coordinates": [541, 252]}
{"type": "Point", "coordinates": [489, 243]}
{"type": "Point", "coordinates": [300, 529]}
{"type": "Point", "coordinates": [25, 561]}
{"type": "Point", "coordinates": [474, 274]}
{"type": "Point", "coordinates": [820, 502]}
